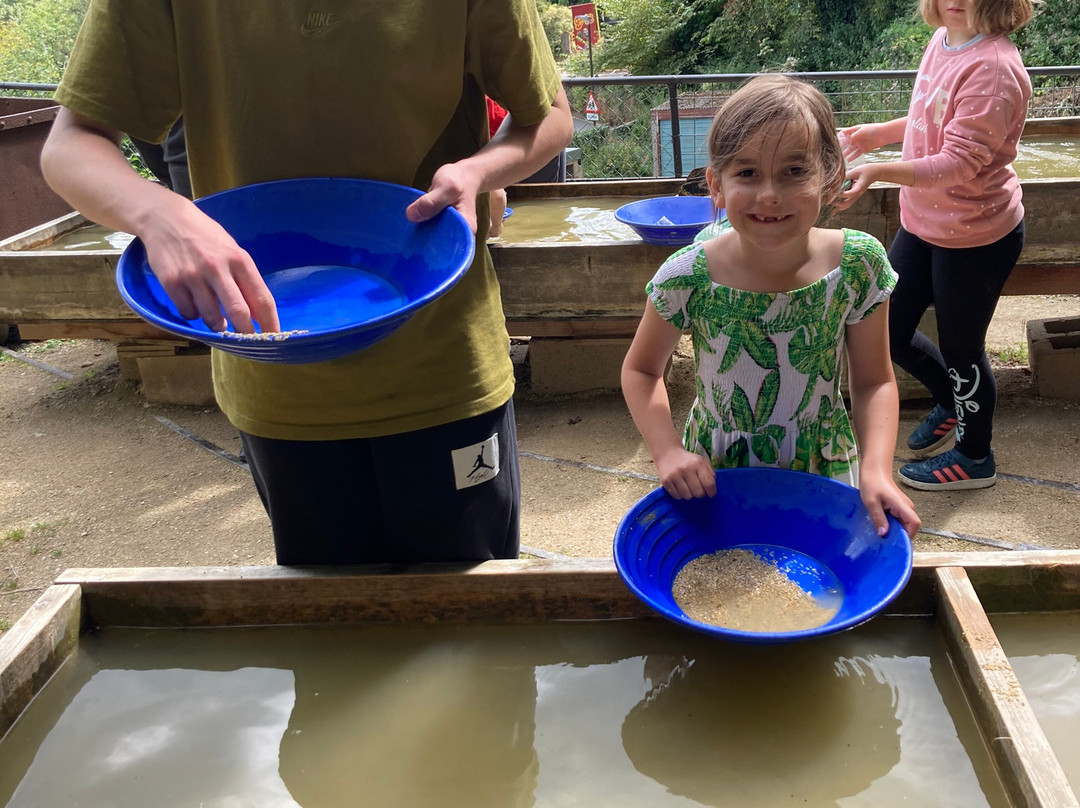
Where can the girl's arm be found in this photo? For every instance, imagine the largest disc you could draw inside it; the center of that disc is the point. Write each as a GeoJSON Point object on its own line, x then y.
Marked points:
{"type": "Point", "coordinates": [862, 177]}
{"type": "Point", "coordinates": [859, 140]}
{"type": "Point", "coordinates": [683, 474]}
{"type": "Point", "coordinates": [875, 406]}
{"type": "Point", "coordinates": [982, 125]}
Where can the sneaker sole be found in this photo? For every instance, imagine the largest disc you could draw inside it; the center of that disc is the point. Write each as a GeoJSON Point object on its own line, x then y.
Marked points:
{"type": "Point", "coordinates": [925, 451]}
{"type": "Point", "coordinates": [957, 485]}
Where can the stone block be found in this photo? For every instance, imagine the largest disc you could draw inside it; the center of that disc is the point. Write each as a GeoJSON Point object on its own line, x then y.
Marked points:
{"type": "Point", "coordinates": [576, 365]}
{"type": "Point", "coordinates": [179, 379]}
{"type": "Point", "coordinates": [1054, 357]}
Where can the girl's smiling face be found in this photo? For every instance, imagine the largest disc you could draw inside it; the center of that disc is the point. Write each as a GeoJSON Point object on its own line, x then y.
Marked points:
{"type": "Point", "coordinates": [958, 17]}
{"type": "Point", "coordinates": [772, 187]}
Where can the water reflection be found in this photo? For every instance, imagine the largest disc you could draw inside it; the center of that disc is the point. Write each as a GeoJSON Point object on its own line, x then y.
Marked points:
{"type": "Point", "coordinates": [567, 220]}
{"type": "Point", "coordinates": [168, 737]}
{"type": "Point", "coordinates": [1044, 650]}
{"type": "Point", "coordinates": [89, 237]}
{"type": "Point", "coordinates": [627, 713]}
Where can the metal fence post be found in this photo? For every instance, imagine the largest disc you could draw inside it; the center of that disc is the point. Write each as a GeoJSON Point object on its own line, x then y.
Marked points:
{"type": "Point", "coordinates": [676, 140]}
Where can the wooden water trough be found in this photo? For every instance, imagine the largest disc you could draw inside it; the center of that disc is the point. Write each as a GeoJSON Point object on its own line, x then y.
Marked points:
{"type": "Point", "coordinates": [550, 291]}
{"type": "Point", "coordinates": [961, 591]}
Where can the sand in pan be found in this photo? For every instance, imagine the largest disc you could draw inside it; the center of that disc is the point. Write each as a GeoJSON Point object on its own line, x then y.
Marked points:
{"type": "Point", "coordinates": [740, 590]}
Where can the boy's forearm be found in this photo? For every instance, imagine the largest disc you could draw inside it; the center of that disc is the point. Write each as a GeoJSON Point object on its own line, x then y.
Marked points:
{"type": "Point", "coordinates": [85, 166]}
{"type": "Point", "coordinates": [519, 151]}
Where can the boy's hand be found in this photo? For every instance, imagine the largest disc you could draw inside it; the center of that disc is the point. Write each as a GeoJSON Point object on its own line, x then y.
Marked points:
{"type": "Point", "coordinates": [205, 272]}
{"type": "Point", "coordinates": [497, 202]}
{"type": "Point", "coordinates": [686, 475]}
{"type": "Point", "coordinates": [452, 186]}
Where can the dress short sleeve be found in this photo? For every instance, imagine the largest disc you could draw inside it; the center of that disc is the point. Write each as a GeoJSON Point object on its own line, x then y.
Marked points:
{"type": "Point", "coordinates": [867, 273]}
{"type": "Point", "coordinates": [675, 282]}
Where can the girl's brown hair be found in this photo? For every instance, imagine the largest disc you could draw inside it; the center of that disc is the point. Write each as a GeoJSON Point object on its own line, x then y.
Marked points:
{"type": "Point", "coordinates": [991, 16]}
{"type": "Point", "coordinates": [775, 98]}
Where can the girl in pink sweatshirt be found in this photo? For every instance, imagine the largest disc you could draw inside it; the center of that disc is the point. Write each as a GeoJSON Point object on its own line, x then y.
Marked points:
{"type": "Point", "coordinates": [962, 224]}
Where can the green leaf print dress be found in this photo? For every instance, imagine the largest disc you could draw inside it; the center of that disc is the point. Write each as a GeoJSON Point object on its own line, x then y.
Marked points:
{"type": "Point", "coordinates": [768, 363]}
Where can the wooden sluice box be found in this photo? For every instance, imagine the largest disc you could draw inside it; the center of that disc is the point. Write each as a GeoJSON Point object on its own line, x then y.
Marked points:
{"type": "Point", "coordinates": [533, 682]}
{"type": "Point", "coordinates": [577, 303]}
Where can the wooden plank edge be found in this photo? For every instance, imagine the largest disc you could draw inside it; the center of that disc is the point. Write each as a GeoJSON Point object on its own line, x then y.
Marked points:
{"type": "Point", "coordinates": [493, 591]}
{"type": "Point", "coordinates": [43, 233]}
{"type": "Point", "coordinates": [34, 648]}
{"type": "Point", "coordinates": [521, 589]}
{"type": "Point", "coordinates": [1027, 766]}
{"type": "Point", "coordinates": [1017, 580]}
{"type": "Point", "coordinates": [990, 559]}
{"type": "Point", "coordinates": [1036, 279]}
{"type": "Point", "coordinates": [575, 327]}
{"type": "Point", "coordinates": [115, 330]}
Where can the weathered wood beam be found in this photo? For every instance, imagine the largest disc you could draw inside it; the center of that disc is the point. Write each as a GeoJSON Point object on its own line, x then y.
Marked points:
{"type": "Point", "coordinates": [1029, 770]}
{"type": "Point", "coordinates": [34, 648]}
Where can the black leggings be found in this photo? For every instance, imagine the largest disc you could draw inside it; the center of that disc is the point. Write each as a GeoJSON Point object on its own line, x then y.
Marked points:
{"type": "Point", "coordinates": [446, 493]}
{"type": "Point", "coordinates": [963, 285]}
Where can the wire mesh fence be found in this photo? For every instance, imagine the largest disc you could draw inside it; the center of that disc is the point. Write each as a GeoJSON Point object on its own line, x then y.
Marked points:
{"type": "Point", "coordinates": [656, 126]}
{"type": "Point", "coordinates": [631, 127]}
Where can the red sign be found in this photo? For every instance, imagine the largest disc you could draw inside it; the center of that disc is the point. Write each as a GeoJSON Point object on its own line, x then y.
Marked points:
{"type": "Point", "coordinates": [592, 111]}
{"type": "Point", "coordinates": [586, 28]}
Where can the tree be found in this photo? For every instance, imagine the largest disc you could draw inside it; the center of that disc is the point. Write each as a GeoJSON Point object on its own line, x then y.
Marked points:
{"type": "Point", "coordinates": [36, 37]}
{"type": "Point", "coordinates": [642, 38]}
{"type": "Point", "coordinates": [557, 21]}
{"type": "Point", "coordinates": [1053, 36]}
{"type": "Point", "coordinates": [850, 30]}
{"type": "Point", "coordinates": [753, 35]}
{"type": "Point", "coordinates": [901, 44]}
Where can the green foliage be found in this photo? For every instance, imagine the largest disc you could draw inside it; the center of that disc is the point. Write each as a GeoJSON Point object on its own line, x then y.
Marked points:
{"type": "Point", "coordinates": [901, 44]}
{"type": "Point", "coordinates": [850, 30]}
{"type": "Point", "coordinates": [746, 36]}
{"type": "Point", "coordinates": [36, 37]}
{"type": "Point", "coordinates": [557, 20]}
{"type": "Point", "coordinates": [133, 157]}
{"type": "Point", "coordinates": [753, 35]}
{"type": "Point", "coordinates": [1053, 36]}
{"type": "Point", "coordinates": [644, 39]}
{"type": "Point", "coordinates": [660, 37]}
{"type": "Point", "coordinates": [621, 151]}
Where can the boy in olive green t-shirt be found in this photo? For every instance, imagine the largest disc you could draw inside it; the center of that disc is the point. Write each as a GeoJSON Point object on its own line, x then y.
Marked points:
{"type": "Point", "coordinates": [340, 450]}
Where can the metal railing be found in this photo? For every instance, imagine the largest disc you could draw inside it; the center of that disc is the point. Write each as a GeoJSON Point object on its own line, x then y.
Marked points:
{"type": "Point", "coordinates": [655, 126]}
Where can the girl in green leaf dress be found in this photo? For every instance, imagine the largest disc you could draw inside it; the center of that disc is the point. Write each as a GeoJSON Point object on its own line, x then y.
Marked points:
{"type": "Point", "coordinates": [770, 304]}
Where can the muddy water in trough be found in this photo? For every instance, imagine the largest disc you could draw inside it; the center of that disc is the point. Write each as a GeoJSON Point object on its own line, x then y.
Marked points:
{"type": "Point", "coordinates": [621, 713]}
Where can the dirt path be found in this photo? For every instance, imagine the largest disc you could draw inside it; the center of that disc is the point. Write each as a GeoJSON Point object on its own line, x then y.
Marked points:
{"type": "Point", "coordinates": [91, 475]}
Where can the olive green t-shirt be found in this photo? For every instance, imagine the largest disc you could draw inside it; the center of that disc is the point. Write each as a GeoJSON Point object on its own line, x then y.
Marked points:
{"type": "Point", "coordinates": [377, 89]}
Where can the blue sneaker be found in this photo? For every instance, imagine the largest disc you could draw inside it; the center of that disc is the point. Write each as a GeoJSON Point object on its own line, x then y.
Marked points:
{"type": "Point", "coordinates": [935, 431]}
{"type": "Point", "coordinates": [949, 471]}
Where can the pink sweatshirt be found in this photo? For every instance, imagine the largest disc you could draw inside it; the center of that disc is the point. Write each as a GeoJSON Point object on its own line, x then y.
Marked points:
{"type": "Point", "coordinates": [966, 116]}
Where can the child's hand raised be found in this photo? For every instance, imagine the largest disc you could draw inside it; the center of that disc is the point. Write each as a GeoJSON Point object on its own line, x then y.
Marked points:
{"type": "Point", "coordinates": [686, 475]}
